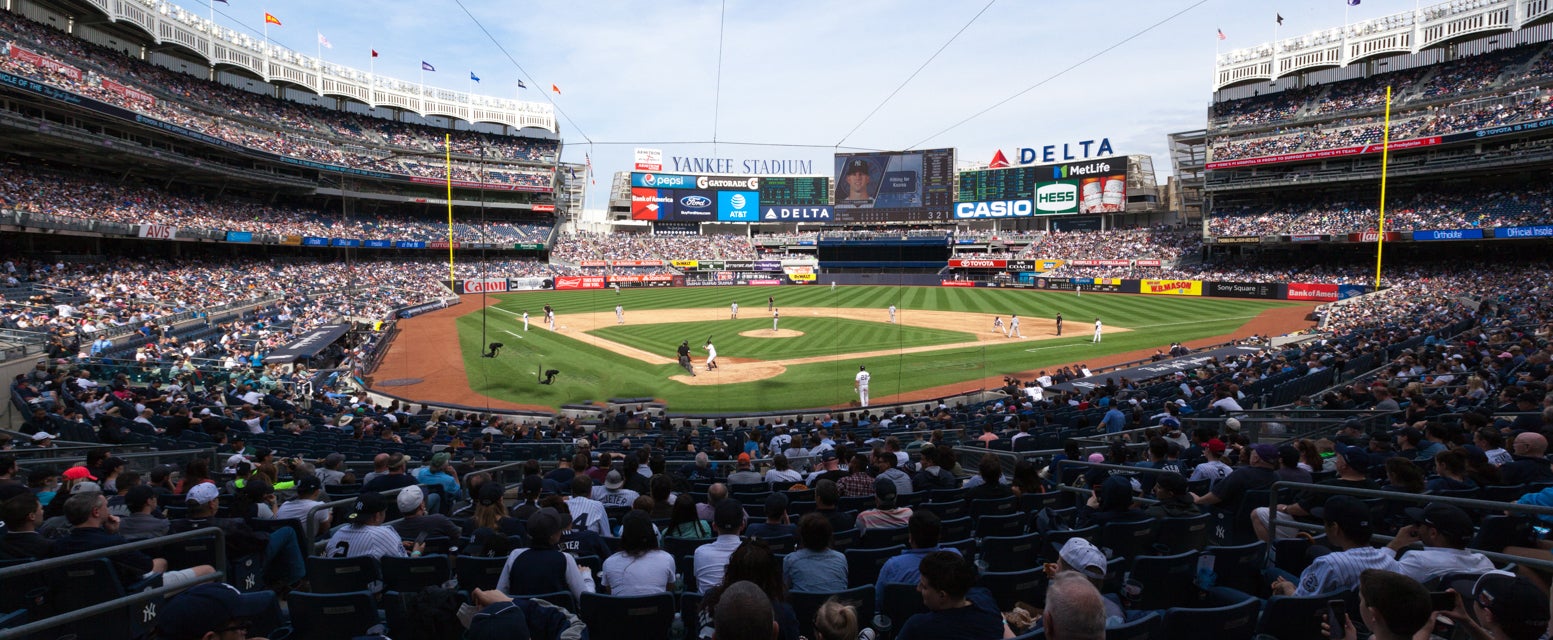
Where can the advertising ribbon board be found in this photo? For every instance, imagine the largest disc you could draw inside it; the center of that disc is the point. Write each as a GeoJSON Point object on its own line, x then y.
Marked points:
{"type": "Point", "coordinates": [1313, 291]}
{"type": "Point", "coordinates": [1171, 287]}
{"type": "Point", "coordinates": [685, 264]}
{"type": "Point", "coordinates": [569, 283]}
{"type": "Point", "coordinates": [239, 236]}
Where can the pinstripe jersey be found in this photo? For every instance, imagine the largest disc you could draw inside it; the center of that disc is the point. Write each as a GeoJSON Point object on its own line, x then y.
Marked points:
{"type": "Point", "coordinates": [1339, 570]}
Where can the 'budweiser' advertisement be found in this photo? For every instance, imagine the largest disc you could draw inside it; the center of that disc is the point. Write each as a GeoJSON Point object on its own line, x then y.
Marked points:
{"type": "Point", "coordinates": [544, 208]}
{"type": "Point", "coordinates": [566, 283]}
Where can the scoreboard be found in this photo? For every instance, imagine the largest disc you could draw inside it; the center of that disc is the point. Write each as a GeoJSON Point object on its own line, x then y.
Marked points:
{"type": "Point", "coordinates": [899, 186]}
{"type": "Point", "coordinates": [794, 190]}
{"type": "Point", "coordinates": [1014, 183]}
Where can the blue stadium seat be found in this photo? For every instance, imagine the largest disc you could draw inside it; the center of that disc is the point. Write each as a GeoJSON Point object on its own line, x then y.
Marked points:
{"type": "Point", "coordinates": [1179, 535]}
{"type": "Point", "coordinates": [1230, 622]}
{"type": "Point", "coordinates": [478, 573]}
{"type": "Point", "coordinates": [1014, 586]}
{"type": "Point", "coordinates": [628, 618]}
{"type": "Point", "coordinates": [881, 538]}
{"type": "Point", "coordinates": [1148, 627]}
{"type": "Point", "coordinates": [863, 565]}
{"type": "Point", "coordinates": [1165, 581]}
{"type": "Point", "coordinates": [1293, 617]}
{"type": "Point", "coordinates": [806, 603]}
{"type": "Point", "coordinates": [344, 575]}
{"type": "Point", "coordinates": [901, 602]}
{"type": "Point", "coordinates": [1011, 553]}
{"type": "Point", "coordinates": [1240, 567]}
{"type": "Point", "coordinates": [330, 616]}
{"type": "Point", "coordinates": [413, 574]}
{"type": "Point", "coordinates": [1129, 539]}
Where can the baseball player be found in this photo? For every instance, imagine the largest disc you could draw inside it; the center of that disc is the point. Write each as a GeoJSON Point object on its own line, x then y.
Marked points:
{"type": "Point", "coordinates": [550, 317]}
{"type": "Point", "coordinates": [861, 384]}
{"type": "Point", "coordinates": [770, 303]}
{"type": "Point", "coordinates": [1013, 327]}
{"type": "Point", "coordinates": [711, 355]}
{"type": "Point", "coordinates": [616, 287]}
{"type": "Point", "coordinates": [620, 314]}
{"type": "Point", "coordinates": [997, 325]}
{"type": "Point", "coordinates": [525, 320]}
{"type": "Point", "coordinates": [892, 314]}
{"type": "Point", "coordinates": [1059, 323]}
{"type": "Point", "coordinates": [1097, 330]}
{"type": "Point", "coordinates": [776, 314]}
{"type": "Point", "coordinates": [833, 286]}
{"type": "Point", "coordinates": [734, 312]}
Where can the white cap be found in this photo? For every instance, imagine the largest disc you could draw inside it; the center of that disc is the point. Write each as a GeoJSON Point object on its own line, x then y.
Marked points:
{"type": "Point", "coordinates": [234, 460]}
{"type": "Point", "coordinates": [1083, 557]}
{"type": "Point", "coordinates": [42, 435]}
{"type": "Point", "coordinates": [202, 493]}
{"type": "Point", "coordinates": [1232, 424]}
{"type": "Point", "coordinates": [410, 499]}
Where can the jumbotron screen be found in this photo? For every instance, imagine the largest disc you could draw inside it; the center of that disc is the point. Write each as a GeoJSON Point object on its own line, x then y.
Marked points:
{"type": "Point", "coordinates": [1088, 186]}
{"type": "Point", "coordinates": [903, 186]}
{"type": "Point", "coordinates": [672, 197]}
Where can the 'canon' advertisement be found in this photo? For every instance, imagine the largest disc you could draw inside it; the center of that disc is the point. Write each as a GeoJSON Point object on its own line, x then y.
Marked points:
{"type": "Point", "coordinates": [1261, 290]}
{"type": "Point", "coordinates": [1313, 291]}
{"type": "Point", "coordinates": [485, 285]}
{"type": "Point", "coordinates": [571, 283]}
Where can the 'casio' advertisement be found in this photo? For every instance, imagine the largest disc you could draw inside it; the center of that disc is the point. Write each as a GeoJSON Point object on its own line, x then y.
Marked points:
{"type": "Point", "coordinates": [997, 209]}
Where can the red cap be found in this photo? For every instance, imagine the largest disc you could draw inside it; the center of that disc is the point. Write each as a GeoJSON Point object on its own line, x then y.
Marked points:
{"type": "Point", "coordinates": [1215, 445]}
{"type": "Point", "coordinates": [77, 473]}
{"type": "Point", "coordinates": [744, 457]}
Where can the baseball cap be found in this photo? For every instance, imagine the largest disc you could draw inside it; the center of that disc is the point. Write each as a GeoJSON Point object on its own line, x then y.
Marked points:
{"type": "Point", "coordinates": [615, 481]}
{"type": "Point", "coordinates": [86, 486]}
{"type": "Point", "coordinates": [544, 523]}
{"type": "Point", "coordinates": [1096, 457]}
{"type": "Point", "coordinates": [1215, 445]}
{"type": "Point", "coordinates": [1232, 424]}
{"type": "Point", "coordinates": [367, 504]}
{"type": "Point", "coordinates": [1518, 605]}
{"type": "Point", "coordinates": [885, 490]}
{"type": "Point", "coordinates": [744, 458]}
{"type": "Point", "coordinates": [235, 459]}
{"type": "Point", "coordinates": [1172, 482]}
{"type": "Point", "coordinates": [309, 484]}
{"type": "Point", "coordinates": [857, 165]}
{"type": "Point", "coordinates": [11, 490]}
{"type": "Point", "coordinates": [410, 498]}
{"type": "Point", "coordinates": [532, 485]}
{"type": "Point", "coordinates": [1348, 513]}
{"type": "Point", "coordinates": [728, 514]}
{"type": "Point", "coordinates": [1083, 557]}
{"type": "Point", "coordinates": [78, 473]}
{"type": "Point", "coordinates": [491, 492]}
{"type": "Point", "coordinates": [42, 435]}
{"type": "Point", "coordinates": [1267, 452]}
{"type": "Point", "coordinates": [1357, 458]}
{"type": "Point", "coordinates": [333, 459]}
{"type": "Point", "coordinates": [208, 607]}
{"type": "Point", "coordinates": [202, 493]}
{"type": "Point", "coordinates": [440, 460]}
{"type": "Point", "coordinates": [1448, 518]}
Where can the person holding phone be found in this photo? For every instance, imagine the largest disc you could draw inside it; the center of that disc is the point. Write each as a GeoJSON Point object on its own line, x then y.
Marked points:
{"type": "Point", "coordinates": [1348, 532]}
{"type": "Point", "coordinates": [1393, 606]}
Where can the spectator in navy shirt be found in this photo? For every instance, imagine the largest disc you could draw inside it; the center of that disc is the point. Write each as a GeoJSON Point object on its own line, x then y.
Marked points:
{"type": "Point", "coordinates": [955, 610]}
{"type": "Point", "coordinates": [776, 523]}
{"type": "Point", "coordinates": [94, 528]}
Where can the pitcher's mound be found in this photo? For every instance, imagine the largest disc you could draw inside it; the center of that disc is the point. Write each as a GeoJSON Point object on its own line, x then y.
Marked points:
{"type": "Point", "coordinates": [767, 333]}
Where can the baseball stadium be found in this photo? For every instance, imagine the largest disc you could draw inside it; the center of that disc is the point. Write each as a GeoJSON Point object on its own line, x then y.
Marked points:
{"type": "Point", "coordinates": [308, 339]}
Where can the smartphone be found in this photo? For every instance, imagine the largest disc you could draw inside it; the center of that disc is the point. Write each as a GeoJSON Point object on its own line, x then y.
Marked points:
{"type": "Point", "coordinates": [1337, 616]}
{"type": "Point", "coordinates": [1443, 600]}
{"type": "Point", "coordinates": [420, 539]}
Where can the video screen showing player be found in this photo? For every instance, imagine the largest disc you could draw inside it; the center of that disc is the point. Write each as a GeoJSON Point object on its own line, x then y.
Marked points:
{"type": "Point", "coordinates": [879, 181]}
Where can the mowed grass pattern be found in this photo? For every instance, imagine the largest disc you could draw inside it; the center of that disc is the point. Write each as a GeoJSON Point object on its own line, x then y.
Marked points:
{"type": "Point", "coordinates": [821, 337]}
{"type": "Point", "coordinates": [589, 373]}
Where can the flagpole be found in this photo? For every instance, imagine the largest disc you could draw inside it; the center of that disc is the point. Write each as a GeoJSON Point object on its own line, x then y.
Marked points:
{"type": "Point", "coordinates": [1385, 157]}
{"type": "Point", "coordinates": [447, 147]}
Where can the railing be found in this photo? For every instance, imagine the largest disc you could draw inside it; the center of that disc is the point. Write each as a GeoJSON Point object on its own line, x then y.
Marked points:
{"type": "Point", "coordinates": [312, 538]}
{"type": "Point", "coordinates": [9, 576]}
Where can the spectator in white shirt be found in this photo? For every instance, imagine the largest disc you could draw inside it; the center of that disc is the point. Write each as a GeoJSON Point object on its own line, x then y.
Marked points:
{"type": "Point", "coordinates": [1444, 530]}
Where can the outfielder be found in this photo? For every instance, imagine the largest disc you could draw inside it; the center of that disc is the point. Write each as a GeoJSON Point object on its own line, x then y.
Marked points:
{"type": "Point", "coordinates": [616, 287]}
{"type": "Point", "coordinates": [776, 314]}
{"type": "Point", "coordinates": [734, 312]}
{"type": "Point", "coordinates": [620, 314]}
{"type": "Point", "coordinates": [1013, 327]}
{"type": "Point", "coordinates": [997, 325]}
{"type": "Point", "coordinates": [861, 384]}
{"type": "Point", "coordinates": [833, 286]}
{"type": "Point", "coordinates": [711, 355]}
{"type": "Point", "coordinates": [1097, 330]}
{"type": "Point", "coordinates": [892, 314]}
{"type": "Point", "coordinates": [525, 320]}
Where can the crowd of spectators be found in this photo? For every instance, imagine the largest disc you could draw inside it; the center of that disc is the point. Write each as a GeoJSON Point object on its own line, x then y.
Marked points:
{"type": "Point", "coordinates": [37, 190]}
{"type": "Point", "coordinates": [266, 123]}
{"type": "Point", "coordinates": [578, 247]}
{"type": "Point", "coordinates": [1433, 208]}
{"type": "Point", "coordinates": [1162, 243]}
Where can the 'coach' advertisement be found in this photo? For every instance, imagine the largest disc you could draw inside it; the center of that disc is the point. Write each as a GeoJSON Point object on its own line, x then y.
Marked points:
{"type": "Point", "coordinates": [1260, 290]}
{"type": "Point", "coordinates": [1170, 287]}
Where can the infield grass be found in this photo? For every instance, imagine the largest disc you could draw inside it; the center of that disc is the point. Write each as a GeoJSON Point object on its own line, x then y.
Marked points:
{"type": "Point", "coordinates": [592, 373]}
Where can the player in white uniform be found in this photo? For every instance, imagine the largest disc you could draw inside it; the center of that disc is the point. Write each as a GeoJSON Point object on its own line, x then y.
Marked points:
{"type": "Point", "coordinates": [892, 314]}
{"type": "Point", "coordinates": [1013, 327]}
{"type": "Point", "coordinates": [832, 285]}
{"type": "Point", "coordinates": [1097, 330]}
{"type": "Point", "coordinates": [620, 314]}
{"type": "Point", "coordinates": [997, 325]}
{"type": "Point", "coordinates": [776, 314]}
{"type": "Point", "coordinates": [711, 356]}
{"type": "Point", "coordinates": [861, 384]}
{"type": "Point", "coordinates": [525, 321]}
{"type": "Point", "coordinates": [616, 287]}
{"type": "Point", "coordinates": [734, 312]}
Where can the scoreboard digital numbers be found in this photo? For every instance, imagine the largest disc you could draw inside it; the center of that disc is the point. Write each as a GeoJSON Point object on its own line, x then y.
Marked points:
{"type": "Point", "coordinates": [901, 186]}
{"type": "Point", "coordinates": [991, 185]}
{"type": "Point", "coordinates": [794, 190]}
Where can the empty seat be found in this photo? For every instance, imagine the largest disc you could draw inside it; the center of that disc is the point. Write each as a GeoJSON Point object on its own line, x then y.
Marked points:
{"type": "Point", "coordinates": [330, 616]}
{"type": "Point", "coordinates": [628, 617]}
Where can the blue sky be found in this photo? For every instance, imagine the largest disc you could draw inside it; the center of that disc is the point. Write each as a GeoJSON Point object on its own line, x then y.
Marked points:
{"type": "Point", "coordinates": [806, 72]}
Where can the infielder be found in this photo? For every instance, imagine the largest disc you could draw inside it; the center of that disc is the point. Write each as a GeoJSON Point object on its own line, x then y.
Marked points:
{"type": "Point", "coordinates": [892, 314]}
{"type": "Point", "coordinates": [620, 314]}
{"type": "Point", "coordinates": [525, 320]}
{"type": "Point", "coordinates": [997, 325]}
{"type": "Point", "coordinates": [776, 314]}
{"type": "Point", "coordinates": [1059, 324]}
{"type": "Point", "coordinates": [734, 312]}
{"type": "Point", "coordinates": [1097, 330]}
{"type": "Point", "coordinates": [861, 384]}
{"type": "Point", "coordinates": [711, 356]}
{"type": "Point", "coordinates": [1013, 327]}
{"type": "Point", "coordinates": [550, 317]}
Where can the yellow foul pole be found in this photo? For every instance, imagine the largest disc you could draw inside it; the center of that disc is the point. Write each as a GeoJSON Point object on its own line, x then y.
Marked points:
{"type": "Point", "coordinates": [447, 147]}
{"type": "Point", "coordinates": [1385, 157]}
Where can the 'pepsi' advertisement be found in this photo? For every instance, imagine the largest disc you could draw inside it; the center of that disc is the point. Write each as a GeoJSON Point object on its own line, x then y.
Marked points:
{"type": "Point", "coordinates": [663, 197]}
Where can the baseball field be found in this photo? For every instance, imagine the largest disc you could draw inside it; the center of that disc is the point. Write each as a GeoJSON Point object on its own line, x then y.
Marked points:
{"type": "Point", "coordinates": [942, 340]}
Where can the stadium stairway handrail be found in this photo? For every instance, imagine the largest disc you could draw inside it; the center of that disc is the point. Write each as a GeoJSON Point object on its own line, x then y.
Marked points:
{"type": "Point", "coordinates": [9, 576]}
{"type": "Point", "coordinates": [1423, 499]}
{"type": "Point", "coordinates": [38, 454]}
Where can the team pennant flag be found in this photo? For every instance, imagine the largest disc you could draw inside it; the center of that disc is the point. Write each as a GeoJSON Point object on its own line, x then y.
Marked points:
{"type": "Point", "coordinates": [269, 19]}
{"type": "Point", "coordinates": [374, 53]}
{"type": "Point", "coordinates": [1280, 19]}
{"type": "Point", "coordinates": [474, 77]}
{"type": "Point", "coordinates": [324, 42]}
{"type": "Point", "coordinates": [1221, 35]}
{"type": "Point", "coordinates": [521, 85]}
{"type": "Point", "coordinates": [426, 66]}
{"type": "Point", "coordinates": [556, 89]}
{"type": "Point", "coordinates": [1353, 3]}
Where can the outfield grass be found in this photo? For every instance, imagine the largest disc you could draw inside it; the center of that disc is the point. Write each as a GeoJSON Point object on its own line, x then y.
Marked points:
{"type": "Point", "coordinates": [591, 373]}
{"type": "Point", "coordinates": [821, 337]}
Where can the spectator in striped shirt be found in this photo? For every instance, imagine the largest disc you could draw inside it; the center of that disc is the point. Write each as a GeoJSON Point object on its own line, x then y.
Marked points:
{"type": "Point", "coordinates": [366, 535]}
{"type": "Point", "coordinates": [1348, 529]}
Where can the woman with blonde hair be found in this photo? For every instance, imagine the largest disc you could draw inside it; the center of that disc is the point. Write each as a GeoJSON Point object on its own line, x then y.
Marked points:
{"type": "Point", "coordinates": [837, 620]}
